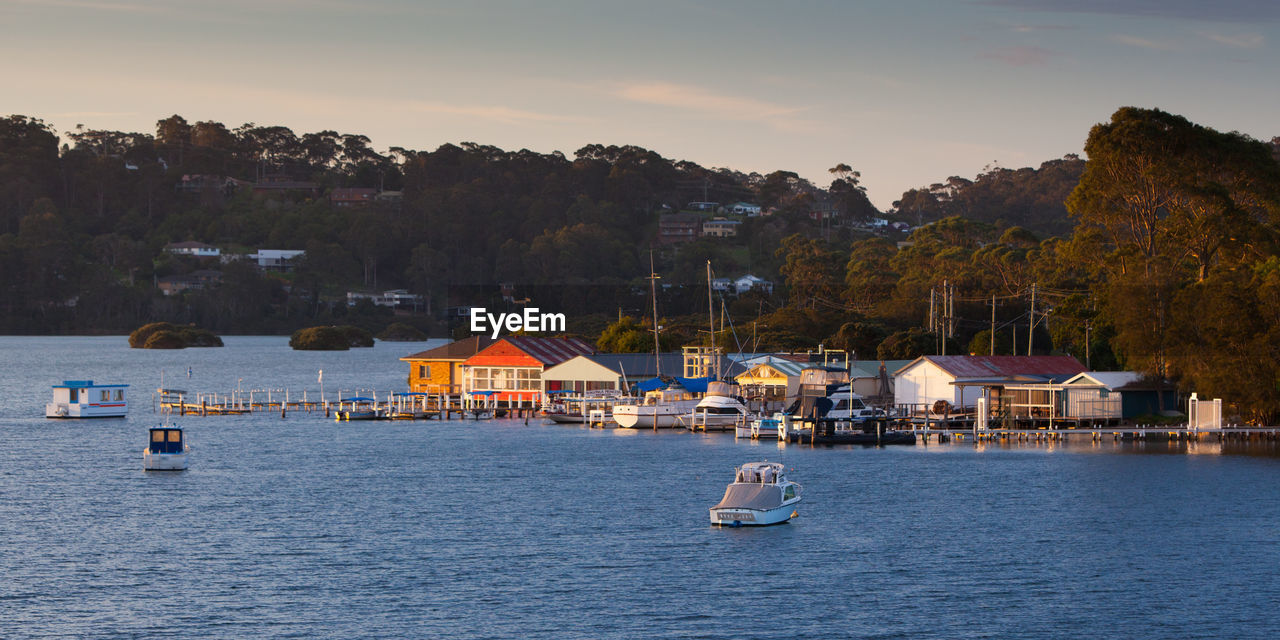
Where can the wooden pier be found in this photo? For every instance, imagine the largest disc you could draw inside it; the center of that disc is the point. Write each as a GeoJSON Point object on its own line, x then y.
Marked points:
{"type": "Point", "coordinates": [391, 405]}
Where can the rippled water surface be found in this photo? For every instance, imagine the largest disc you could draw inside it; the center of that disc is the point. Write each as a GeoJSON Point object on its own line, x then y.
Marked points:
{"type": "Point", "coordinates": [306, 527]}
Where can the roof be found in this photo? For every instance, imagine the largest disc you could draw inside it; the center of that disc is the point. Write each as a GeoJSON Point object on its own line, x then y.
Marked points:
{"type": "Point", "coordinates": [1113, 380]}
{"type": "Point", "coordinates": [83, 384]}
{"type": "Point", "coordinates": [456, 350]}
{"type": "Point", "coordinates": [189, 244]}
{"type": "Point", "coordinates": [638, 365]}
{"type": "Point", "coordinates": [548, 351]}
{"type": "Point", "coordinates": [987, 367]}
{"type": "Point", "coordinates": [786, 367]}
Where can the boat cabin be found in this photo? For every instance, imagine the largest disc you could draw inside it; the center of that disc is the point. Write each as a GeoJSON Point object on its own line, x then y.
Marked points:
{"type": "Point", "coordinates": [166, 440]}
{"type": "Point", "coordinates": [84, 399]}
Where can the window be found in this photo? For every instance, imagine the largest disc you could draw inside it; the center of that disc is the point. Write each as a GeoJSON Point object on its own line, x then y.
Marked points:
{"type": "Point", "coordinates": [175, 436]}
{"type": "Point", "coordinates": [789, 493]}
{"type": "Point", "coordinates": [157, 436]}
{"type": "Point", "coordinates": [106, 395]}
{"type": "Point", "coordinates": [120, 395]}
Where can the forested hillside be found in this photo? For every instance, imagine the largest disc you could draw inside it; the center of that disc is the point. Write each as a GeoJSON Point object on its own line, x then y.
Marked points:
{"type": "Point", "coordinates": [1159, 253]}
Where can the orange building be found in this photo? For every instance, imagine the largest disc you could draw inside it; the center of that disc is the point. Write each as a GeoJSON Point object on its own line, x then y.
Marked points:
{"type": "Point", "coordinates": [439, 370]}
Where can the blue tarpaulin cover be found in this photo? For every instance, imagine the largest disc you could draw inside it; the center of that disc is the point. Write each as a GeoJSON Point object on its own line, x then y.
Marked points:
{"type": "Point", "coordinates": [650, 384]}
{"type": "Point", "coordinates": [695, 385]}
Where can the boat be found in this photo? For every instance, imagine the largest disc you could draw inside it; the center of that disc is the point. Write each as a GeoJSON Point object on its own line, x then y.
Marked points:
{"type": "Point", "coordinates": [849, 406]}
{"type": "Point", "coordinates": [721, 408]}
{"type": "Point", "coordinates": [84, 399]}
{"type": "Point", "coordinates": [867, 432]}
{"type": "Point", "coordinates": [167, 450]}
{"type": "Point", "coordinates": [361, 409]}
{"type": "Point", "coordinates": [579, 409]}
{"type": "Point", "coordinates": [767, 428]}
{"type": "Point", "coordinates": [760, 494]}
{"type": "Point", "coordinates": [661, 408]}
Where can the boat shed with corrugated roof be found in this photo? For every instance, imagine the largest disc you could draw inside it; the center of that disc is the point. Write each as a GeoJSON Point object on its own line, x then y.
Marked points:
{"type": "Point", "coordinates": [961, 380]}
{"type": "Point", "coordinates": [510, 369]}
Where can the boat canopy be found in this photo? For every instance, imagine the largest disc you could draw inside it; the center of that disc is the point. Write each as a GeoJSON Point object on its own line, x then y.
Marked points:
{"type": "Point", "coordinates": [165, 440]}
{"type": "Point", "coordinates": [741, 495]}
{"type": "Point", "coordinates": [694, 385]}
{"type": "Point", "coordinates": [358, 399]}
{"type": "Point", "coordinates": [84, 384]}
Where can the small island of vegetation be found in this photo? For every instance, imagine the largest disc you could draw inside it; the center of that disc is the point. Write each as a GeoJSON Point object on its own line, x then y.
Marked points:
{"type": "Point", "coordinates": [165, 335]}
{"type": "Point", "coordinates": [330, 338]}
{"type": "Point", "coordinates": [401, 332]}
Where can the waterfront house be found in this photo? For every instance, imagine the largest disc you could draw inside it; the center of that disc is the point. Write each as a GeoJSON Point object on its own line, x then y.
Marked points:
{"type": "Point", "coordinates": [773, 378]}
{"type": "Point", "coordinates": [961, 380]}
{"type": "Point", "coordinates": [1117, 394]}
{"type": "Point", "coordinates": [509, 371]}
{"type": "Point", "coordinates": [608, 371]}
{"type": "Point", "coordinates": [439, 370]}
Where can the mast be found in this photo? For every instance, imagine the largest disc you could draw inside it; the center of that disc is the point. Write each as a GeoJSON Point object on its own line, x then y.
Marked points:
{"type": "Point", "coordinates": [711, 322]}
{"type": "Point", "coordinates": [653, 290]}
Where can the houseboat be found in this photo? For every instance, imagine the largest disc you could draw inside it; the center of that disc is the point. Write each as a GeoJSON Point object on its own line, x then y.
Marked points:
{"type": "Point", "coordinates": [84, 399]}
{"type": "Point", "coordinates": [167, 450]}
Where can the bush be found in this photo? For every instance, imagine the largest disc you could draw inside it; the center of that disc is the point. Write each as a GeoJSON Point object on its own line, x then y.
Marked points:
{"type": "Point", "coordinates": [330, 338]}
{"type": "Point", "coordinates": [401, 332]}
{"type": "Point", "coordinates": [165, 335]}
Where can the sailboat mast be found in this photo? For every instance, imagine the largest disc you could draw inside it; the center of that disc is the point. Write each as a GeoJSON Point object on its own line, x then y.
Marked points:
{"type": "Point", "coordinates": [711, 322]}
{"type": "Point", "coordinates": [653, 291]}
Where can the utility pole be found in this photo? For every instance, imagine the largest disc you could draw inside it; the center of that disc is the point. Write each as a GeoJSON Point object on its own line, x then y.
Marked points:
{"type": "Point", "coordinates": [1087, 324]}
{"type": "Point", "coordinates": [1031, 326]}
{"type": "Point", "coordinates": [993, 324]}
{"type": "Point", "coordinates": [946, 314]}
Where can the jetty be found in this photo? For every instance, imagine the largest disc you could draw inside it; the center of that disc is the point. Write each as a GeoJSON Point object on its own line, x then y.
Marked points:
{"type": "Point", "coordinates": [391, 405]}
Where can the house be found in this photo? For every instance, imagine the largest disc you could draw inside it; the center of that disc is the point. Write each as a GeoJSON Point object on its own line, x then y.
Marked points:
{"type": "Point", "coordinates": [745, 209]}
{"type": "Point", "coordinates": [395, 299]}
{"type": "Point", "coordinates": [199, 279]}
{"type": "Point", "coordinates": [608, 371]}
{"type": "Point", "coordinates": [961, 380]}
{"type": "Point", "coordinates": [192, 248]}
{"type": "Point", "coordinates": [873, 379]}
{"type": "Point", "coordinates": [675, 228]}
{"type": "Point", "coordinates": [703, 206]}
{"type": "Point", "coordinates": [276, 259]}
{"type": "Point", "coordinates": [509, 371]}
{"type": "Point", "coordinates": [772, 378]}
{"type": "Point", "coordinates": [439, 370]}
{"type": "Point", "coordinates": [722, 285]}
{"type": "Point", "coordinates": [1122, 394]}
{"type": "Point", "coordinates": [721, 228]}
{"type": "Point", "coordinates": [278, 184]}
{"type": "Point", "coordinates": [351, 196]}
{"type": "Point", "coordinates": [749, 283]}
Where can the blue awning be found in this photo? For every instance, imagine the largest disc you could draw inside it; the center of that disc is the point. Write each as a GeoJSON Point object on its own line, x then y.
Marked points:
{"type": "Point", "coordinates": [651, 384]}
{"type": "Point", "coordinates": [484, 393]}
{"type": "Point", "coordinates": [358, 399]}
{"type": "Point", "coordinates": [696, 385]}
{"type": "Point", "coordinates": [559, 391]}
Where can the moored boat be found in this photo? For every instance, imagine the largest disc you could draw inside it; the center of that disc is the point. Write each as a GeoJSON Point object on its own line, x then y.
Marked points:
{"type": "Point", "coordinates": [760, 494]}
{"type": "Point", "coordinates": [84, 399]}
{"type": "Point", "coordinates": [360, 408]}
{"type": "Point", "coordinates": [661, 408]}
{"type": "Point", "coordinates": [167, 450]}
{"type": "Point", "coordinates": [721, 408]}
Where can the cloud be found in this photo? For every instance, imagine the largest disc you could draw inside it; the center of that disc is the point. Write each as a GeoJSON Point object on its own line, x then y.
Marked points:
{"type": "Point", "coordinates": [1245, 11]}
{"type": "Point", "coordinates": [700, 100]}
{"type": "Point", "coordinates": [1143, 43]}
{"type": "Point", "coordinates": [1020, 56]}
{"type": "Point", "coordinates": [1242, 41]}
{"type": "Point", "coordinates": [501, 114]}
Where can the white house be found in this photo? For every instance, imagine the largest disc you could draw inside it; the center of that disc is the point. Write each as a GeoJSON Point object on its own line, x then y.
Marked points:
{"type": "Point", "coordinates": [961, 380]}
{"type": "Point", "coordinates": [276, 259]}
{"type": "Point", "coordinates": [748, 282]}
{"type": "Point", "coordinates": [192, 248]}
{"type": "Point", "coordinates": [745, 209]}
{"type": "Point", "coordinates": [722, 285]}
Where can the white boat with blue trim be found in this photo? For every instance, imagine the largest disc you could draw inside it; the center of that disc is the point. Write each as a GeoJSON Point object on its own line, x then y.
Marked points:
{"type": "Point", "coordinates": [84, 399]}
{"type": "Point", "coordinates": [167, 450]}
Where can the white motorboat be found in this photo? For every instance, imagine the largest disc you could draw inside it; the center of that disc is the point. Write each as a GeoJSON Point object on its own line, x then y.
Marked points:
{"type": "Point", "coordinates": [661, 408]}
{"type": "Point", "coordinates": [84, 399]}
{"type": "Point", "coordinates": [721, 408]}
{"type": "Point", "coordinates": [847, 405]}
{"type": "Point", "coordinates": [167, 450]}
{"type": "Point", "coordinates": [759, 495]}
{"type": "Point", "coordinates": [766, 428]}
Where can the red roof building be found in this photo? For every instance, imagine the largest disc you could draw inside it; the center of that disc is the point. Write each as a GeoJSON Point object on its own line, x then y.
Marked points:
{"type": "Point", "coordinates": [509, 371]}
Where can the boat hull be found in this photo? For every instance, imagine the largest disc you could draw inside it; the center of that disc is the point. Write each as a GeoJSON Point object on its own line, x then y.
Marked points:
{"type": "Point", "coordinates": [649, 420]}
{"type": "Point", "coordinates": [740, 517]}
{"type": "Point", "coordinates": [163, 461]}
{"type": "Point", "coordinates": [72, 410]}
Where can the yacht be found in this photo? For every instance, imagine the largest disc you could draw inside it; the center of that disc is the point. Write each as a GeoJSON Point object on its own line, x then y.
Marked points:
{"type": "Point", "coordinates": [721, 408]}
{"type": "Point", "coordinates": [166, 451]}
{"type": "Point", "coordinates": [760, 494]}
{"type": "Point", "coordinates": [84, 399]}
{"type": "Point", "coordinates": [660, 408]}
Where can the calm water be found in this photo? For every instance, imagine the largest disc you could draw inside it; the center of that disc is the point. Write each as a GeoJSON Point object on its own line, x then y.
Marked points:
{"type": "Point", "coordinates": [305, 527]}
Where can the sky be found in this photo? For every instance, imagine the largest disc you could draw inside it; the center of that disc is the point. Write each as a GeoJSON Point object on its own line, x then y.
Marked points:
{"type": "Point", "coordinates": [906, 92]}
